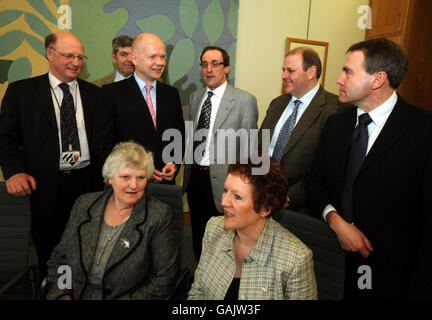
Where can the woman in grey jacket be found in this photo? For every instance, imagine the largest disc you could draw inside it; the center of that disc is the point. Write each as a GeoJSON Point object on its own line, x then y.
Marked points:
{"type": "Point", "coordinates": [118, 244]}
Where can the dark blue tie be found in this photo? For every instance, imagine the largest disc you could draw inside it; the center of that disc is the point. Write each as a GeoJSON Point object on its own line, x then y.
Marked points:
{"type": "Point", "coordinates": [359, 142]}
{"type": "Point", "coordinates": [68, 123]}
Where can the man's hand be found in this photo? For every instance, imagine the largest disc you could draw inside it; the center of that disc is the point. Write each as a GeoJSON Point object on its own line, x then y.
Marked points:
{"type": "Point", "coordinates": [169, 171]}
{"type": "Point", "coordinates": [350, 237]}
{"type": "Point", "coordinates": [156, 176]}
{"type": "Point", "coordinates": [21, 184]}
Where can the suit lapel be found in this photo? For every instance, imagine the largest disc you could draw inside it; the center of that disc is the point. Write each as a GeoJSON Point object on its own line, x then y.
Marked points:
{"type": "Point", "coordinates": [44, 99]}
{"type": "Point", "coordinates": [395, 125]}
{"type": "Point", "coordinates": [139, 104]}
{"type": "Point", "coordinates": [311, 113]}
{"type": "Point", "coordinates": [275, 116]}
{"type": "Point", "coordinates": [225, 107]}
{"type": "Point", "coordinates": [86, 106]}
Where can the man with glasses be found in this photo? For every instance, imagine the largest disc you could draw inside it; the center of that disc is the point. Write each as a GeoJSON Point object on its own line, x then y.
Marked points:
{"type": "Point", "coordinates": [45, 125]}
{"type": "Point", "coordinates": [218, 106]}
{"type": "Point", "coordinates": [122, 58]}
{"type": "Point", "coordinates": [141, 108]}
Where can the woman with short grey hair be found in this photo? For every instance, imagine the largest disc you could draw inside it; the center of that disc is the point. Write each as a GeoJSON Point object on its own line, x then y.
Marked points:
{"type": "Point", "coordinates": [119, 243]}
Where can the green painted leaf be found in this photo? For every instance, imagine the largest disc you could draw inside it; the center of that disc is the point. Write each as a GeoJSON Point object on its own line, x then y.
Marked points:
{"type": "Point", "coordinates": [37, 25]}
{"type": "Point", "coordinates": [213, 21]}
{"type": "Point", "coordinates": [233, 18]}
{"type": "Point", "coordinates": [20, 69]}
{"type": "Point", "coordinates": [9, 16]}
{"type": "Point", "coordinates": [4, 70]}
{"type": "Point", "coordinates": [159, 25]}
{"type": "Point", "coordinates": [232, 53]}
{"type": "Point", "coordinates": [188, 16]}
{"type": "Point", "coordinates": [10, 41]}
{"type": "Point", "coordinates": [41, 7]}
{"type": "Point", "coordinates": [181, 60]}
{"type": "Point", "coordinates": [36, 44]}
{"type": "Point", "coordinates": [57, 3]}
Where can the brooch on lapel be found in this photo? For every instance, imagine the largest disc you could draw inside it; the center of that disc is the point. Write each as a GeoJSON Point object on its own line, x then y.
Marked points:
{"type": "Point", "coordinates": [125, 243]}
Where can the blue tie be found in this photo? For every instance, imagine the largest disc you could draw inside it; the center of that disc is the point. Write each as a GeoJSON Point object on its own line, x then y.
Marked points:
{"type": "Point", "coordinates": [359, 142]}
{"type": "Point", "coordinates": [285, 133]}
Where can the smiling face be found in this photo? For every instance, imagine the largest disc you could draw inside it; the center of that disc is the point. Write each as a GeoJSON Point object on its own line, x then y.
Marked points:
{"type": "Point", "coordinates": [149, 57]}
{"type": "Point", "coordinates": [63, 68]}
{"type": "Point", "coordinates": [296, 81]}
{"type": "Point", "coordinates": [238, 204]}
{"type": "Point", "coordinates": [123, 61]}
{"type": "Point", "coordinates": [354, 82]}
{"type": "Point", "coordinates": [214, 76]}
{"type": "Point", "coordinates": [129, 185]}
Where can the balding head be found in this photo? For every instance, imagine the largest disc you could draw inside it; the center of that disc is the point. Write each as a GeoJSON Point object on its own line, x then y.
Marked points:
{"type": "Point", "coordinates": [65, 53]}
{"type": "Point", "coordinates": [148, 56]}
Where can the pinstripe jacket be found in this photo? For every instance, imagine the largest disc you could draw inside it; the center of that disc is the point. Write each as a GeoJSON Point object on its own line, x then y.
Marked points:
{"type": "Point", "coordinates": [279, 267]}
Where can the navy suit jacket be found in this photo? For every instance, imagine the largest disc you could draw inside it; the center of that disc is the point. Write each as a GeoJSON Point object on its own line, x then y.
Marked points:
{"type": "Point", "coordinates": [391, 197]}
{"type": "Point", "coordinates": [29, 140]}
{"type": "Point", "coordinates": [122, 115]}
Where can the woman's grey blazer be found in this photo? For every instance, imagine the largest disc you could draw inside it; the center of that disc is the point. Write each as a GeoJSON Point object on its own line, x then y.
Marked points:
{"type": "Point", "coordinates": [142, 265]}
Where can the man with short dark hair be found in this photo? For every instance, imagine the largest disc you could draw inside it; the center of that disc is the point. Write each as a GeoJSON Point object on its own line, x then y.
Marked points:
{"type": "Point", "coordinates": [218, 106]}
{"type": "Point", "coordinates": [45, 137]}
{"type": "Point", "coordinates": [296, 118]}
{"type": "Point", "coordinates": [372, 178]}
{"type": "Point", "coordinates": [121, 57]}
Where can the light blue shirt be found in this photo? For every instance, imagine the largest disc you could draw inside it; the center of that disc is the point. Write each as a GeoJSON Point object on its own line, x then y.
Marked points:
{"type": "Point", "coordinates": [141, 85]}
{"type": "Point", "coordinates": [379, 117]}
{"type": "Point", "coordinates": [305, 101]}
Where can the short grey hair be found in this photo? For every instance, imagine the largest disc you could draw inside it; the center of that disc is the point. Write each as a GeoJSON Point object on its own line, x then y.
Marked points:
{"type": "Point", "coordinates": [128, 154]}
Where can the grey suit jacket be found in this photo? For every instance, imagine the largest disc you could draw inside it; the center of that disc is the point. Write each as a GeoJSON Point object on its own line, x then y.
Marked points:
{"type": "Point", "coordinates": [238, 109]}
{"type": "Point", "coordinates": [301, 147]}
{"type": "Point", "coordinates": [145, 269]}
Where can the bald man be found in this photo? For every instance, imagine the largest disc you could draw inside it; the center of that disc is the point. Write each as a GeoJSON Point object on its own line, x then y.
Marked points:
{"type": "Point", "coordinates": [141, 108]}
{"type": "Point", "coordinates": [45, 126]}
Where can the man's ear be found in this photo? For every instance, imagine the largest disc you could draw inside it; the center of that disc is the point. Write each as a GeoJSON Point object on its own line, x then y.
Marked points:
{"type": "Point", "coordinates": [312, 71]}
{"type": "Point", "coordinates": [113, 57]}
{"type": "Point", "coordinates": [379, 79]}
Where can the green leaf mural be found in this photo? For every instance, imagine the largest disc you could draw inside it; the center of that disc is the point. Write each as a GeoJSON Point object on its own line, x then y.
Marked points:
{"type": "Point", "coordinates": [232, 53]}
{"type": "Point", "coordinates": [36, 44]}
{"type": "Point", "coordinates": [10, 41]}
{"type": "Point", "coordinates": [232, 18]}
{"type": "Point", "coordinates": [20, 69]}
{"type": "Point", "coordinates": [213, 21]}
{"type": "Point", "coordinates": [41, 7]}
{"type": "Point", "coordinates": [4, 70]}
{"type": "Point", "coordinates": [9, 16]}
{"type": "Point", "coordinates": [37, 25]}
{"type": "Point", "coordinates": [188, 16]}
{"type": "Point", "coordinates": [159, 25]}
{"type": "Point", "coordinates": [181, 61]}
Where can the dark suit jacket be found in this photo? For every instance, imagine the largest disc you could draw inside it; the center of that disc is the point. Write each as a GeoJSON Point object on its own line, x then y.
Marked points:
{"type": "Point", "coordinates": [391, 197]}
{"type": "Point", "coordinates": [300, 150]}
{"type": "Point", "coordinates": [122, 114]}
{"type": "Point", "coordinates": [29, 140]}
{"type": "Point", "coordinates": [145, 270]}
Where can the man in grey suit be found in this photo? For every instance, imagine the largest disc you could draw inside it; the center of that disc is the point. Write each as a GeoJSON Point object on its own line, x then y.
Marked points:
{"type": "Point", "coordinates": [218, 106]}
{"type": "Point", "coordinates": [122, 58]}
{"type": "Point", "coordinates": [298, 116]}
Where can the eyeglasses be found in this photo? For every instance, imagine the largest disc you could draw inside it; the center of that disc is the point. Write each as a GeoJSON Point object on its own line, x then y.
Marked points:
{"type": "Point", "coordinates": [70, 56]}
{"type": "Point", "coordinates": [214, 63]}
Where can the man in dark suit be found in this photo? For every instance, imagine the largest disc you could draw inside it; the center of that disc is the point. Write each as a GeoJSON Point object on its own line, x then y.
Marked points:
{"type": "Point", "coordinates": [230, 109]}
{"type": "Point", "coordinates": [44, 150]}
{"type": "Point", "coordinates": [372, 178]}
{"type": "Point", "coordinates": [141, 108]}
{"type": "Point", "coordinates": [301, 73]}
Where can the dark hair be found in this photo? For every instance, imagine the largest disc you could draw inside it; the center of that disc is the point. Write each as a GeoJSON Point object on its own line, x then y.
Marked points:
{"type": "Point", "coordinates": [121, 42]}
{"type": "Point", "coordinates": [269, 190]}
{"type": "Point", "coordinates": [225, 55]}
{"type": "Point", "coordinates": [310, 59]}
{"type": "Point", "coordinates": [383, 54]}
{"type": "Point", "coordinates": [50, 39]}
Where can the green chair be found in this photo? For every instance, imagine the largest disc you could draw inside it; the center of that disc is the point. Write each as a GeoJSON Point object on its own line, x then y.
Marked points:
{"type": "Point", "coordinates": [329, 258]}
{"type": "Point", "coordinates": [17, 276]}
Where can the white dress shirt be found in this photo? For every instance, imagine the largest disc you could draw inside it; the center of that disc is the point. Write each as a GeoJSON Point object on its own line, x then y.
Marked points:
{"type": "Point", "coordinates": [57, 97]}
{"type": "Point", "coordinates": [119, 76]}
{"type": "Point", "coordinates": [305, 101]}
{"type": "Point", "coordinates": [215, 100]}
{"type": "Point", "coordinates": [379, 117]}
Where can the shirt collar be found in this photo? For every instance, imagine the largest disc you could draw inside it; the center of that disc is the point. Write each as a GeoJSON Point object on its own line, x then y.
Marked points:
{"type": "Point", "coordinates": [118, 76]}
{"type": "Point", "coordinates": [142, 83]}
{"type": "Point", "coordinates": [307, 98]}
{"type": "Point", "coordinates": [380, 114]}
{"type": "Point", "coordinates": [54, 82]}
{"type": "Point", "coordinates": [219, 91]}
